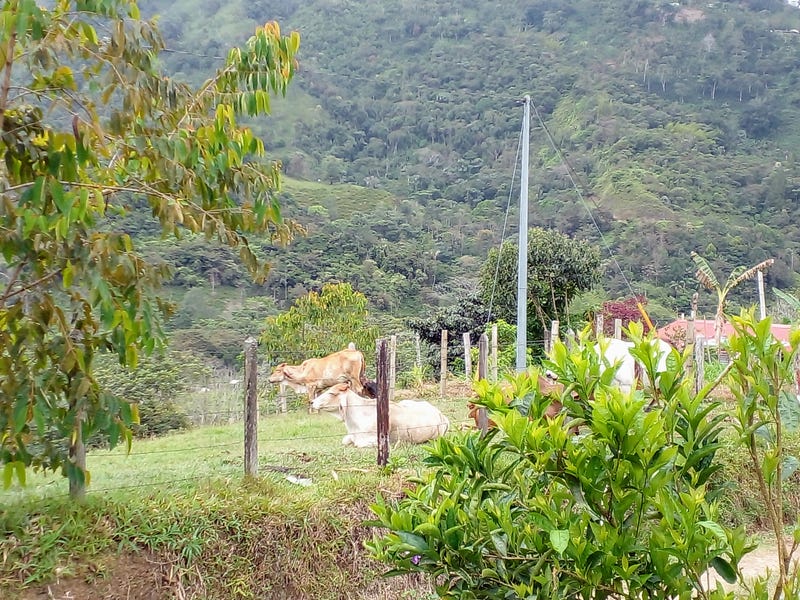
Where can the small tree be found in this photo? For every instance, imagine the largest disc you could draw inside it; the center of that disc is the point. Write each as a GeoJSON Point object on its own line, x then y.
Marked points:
{"type": "Point", "coordinates": [86, 122]}
{"type": "Point", "coordinates": [531, 511]}
{"type": "Point", "coordinates": [761, 380]}
{"type": "Point", "coordinates": [320, 323]}
{"type": "Point", "coordinates": [468, 315]}
{"type": "Point", "coordinates": [559, 267]}
{"type": "Point", "coordinates": [626, 310]}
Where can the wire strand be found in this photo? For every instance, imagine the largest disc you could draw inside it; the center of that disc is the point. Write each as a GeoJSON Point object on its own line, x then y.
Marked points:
{"type": "Point", "coordinates": [570, 171]}
{"type": "Point", "coordinates": [505, 224]}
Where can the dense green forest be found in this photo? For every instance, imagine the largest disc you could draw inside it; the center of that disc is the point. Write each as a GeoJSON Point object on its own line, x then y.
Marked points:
{"type": "Point", "coordinates": [659, 128]}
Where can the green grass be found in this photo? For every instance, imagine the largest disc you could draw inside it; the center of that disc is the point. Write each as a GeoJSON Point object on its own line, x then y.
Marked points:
{"type": "Point", "coordinates": [184, 498]}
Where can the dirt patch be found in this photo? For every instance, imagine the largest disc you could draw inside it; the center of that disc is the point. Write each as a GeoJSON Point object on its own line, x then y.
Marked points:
{"type": "Point", "coordinates": [140, 576]}
{"type": "Point", "coordinates": [689, 15]}
{"type": "Point", "coordinates": [761, 561]}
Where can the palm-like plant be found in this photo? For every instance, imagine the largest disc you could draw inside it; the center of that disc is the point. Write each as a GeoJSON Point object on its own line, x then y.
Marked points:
{"type": "Point", "coordinates": [794, 303]}
{"type": "Point", "coordinates": [709, 280]}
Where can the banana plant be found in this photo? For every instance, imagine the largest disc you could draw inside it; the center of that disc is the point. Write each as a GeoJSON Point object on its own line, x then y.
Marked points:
{"type": "Point", "coordinates": [705, 275]}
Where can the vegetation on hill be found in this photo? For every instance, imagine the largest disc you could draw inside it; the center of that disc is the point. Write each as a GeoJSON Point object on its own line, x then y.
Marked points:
{"type": "Point", "coordinates": [677, 122]}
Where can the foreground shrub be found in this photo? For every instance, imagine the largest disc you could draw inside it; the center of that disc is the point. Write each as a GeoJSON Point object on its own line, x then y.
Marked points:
{"type": "Point", "coordinates": [623, 509]}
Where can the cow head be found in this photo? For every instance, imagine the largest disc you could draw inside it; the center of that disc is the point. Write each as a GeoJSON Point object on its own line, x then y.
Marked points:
{"type": "Point", "coordinates": [332, 398]}
{"type": "Point", "coordinates": [277, 374]}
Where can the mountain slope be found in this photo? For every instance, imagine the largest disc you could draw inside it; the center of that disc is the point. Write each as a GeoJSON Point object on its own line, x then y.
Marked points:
{"type": "Point", "coordinates": [678, 122]}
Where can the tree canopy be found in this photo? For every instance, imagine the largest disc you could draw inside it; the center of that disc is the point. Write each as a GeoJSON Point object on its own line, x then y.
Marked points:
{"type": "Point", "coordinates": [88, 124]}
{"type": "Point", "coordinates": [559, 267]}
{"type": "Point", "coordinates": [320, 323]}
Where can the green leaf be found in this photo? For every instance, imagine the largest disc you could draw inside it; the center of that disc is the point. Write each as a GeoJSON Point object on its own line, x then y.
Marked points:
{"type": "Point", "coordinates": [499, 541]}
{"type": "Point", "coordinates": [66, 275]}
{"type": "Point", "coordinates": [716, 529]}
{"type": "Point", "coordinates": [414, 541]}
{"type": "Point", "coordinates": [20, 414]}
{"type": "Point", "coordinates": [8, 474]}
{"type": "Point", "coordinates": [427, 530]}
{"type": "Point", "coordinates": [21, 473]}
{"type": "Point", "coordinates": [724, 568]}
{"type": "Point", "coordinates": [788, 467]}
{"type": "Point", "coordinates": [559, 539]}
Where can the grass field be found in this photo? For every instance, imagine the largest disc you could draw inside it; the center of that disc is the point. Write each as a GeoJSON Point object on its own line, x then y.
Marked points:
{"type": "Point", "coordinates": [182, 501]}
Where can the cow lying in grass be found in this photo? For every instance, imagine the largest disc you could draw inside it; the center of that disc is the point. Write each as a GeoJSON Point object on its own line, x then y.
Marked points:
{"type": "Point", "coordinates": [409, 420]}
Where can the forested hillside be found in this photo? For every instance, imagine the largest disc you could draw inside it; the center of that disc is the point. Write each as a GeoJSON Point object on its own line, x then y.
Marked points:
{"type": "Point", "coordinates": [678, 124]}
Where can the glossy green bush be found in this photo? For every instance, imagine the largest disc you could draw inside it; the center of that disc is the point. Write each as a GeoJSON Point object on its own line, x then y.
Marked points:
{"type": "Point", "coordinates": [622, 509]}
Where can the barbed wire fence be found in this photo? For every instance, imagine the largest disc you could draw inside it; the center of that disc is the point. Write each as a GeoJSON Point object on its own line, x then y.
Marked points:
{"type": "Point", "coordinates": [224, 402]}
{"type": "Point", "coordinates": [221, 401]}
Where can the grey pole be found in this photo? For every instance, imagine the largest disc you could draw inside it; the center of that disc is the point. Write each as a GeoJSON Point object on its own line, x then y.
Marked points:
{"type": "Point", "coordinates": [522, 263]}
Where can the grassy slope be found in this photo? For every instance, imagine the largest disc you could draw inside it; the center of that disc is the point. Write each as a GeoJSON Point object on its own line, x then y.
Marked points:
{"type": "Point", "coordinates": [183, 499]}
{"type": "Point", "coordinates": [340, 200]}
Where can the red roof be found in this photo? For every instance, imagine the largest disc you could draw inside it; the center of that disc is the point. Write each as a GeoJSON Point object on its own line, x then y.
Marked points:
{"type": "Point", "coordinates": [705, 327]}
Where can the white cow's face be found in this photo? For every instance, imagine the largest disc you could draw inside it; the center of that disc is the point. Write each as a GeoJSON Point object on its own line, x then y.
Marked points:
{"type": "Point", "coordinates": [331, 398]}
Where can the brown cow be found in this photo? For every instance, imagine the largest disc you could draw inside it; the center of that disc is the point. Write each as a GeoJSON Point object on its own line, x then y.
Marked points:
{"type": "Point", "coordinates": [317, 374]}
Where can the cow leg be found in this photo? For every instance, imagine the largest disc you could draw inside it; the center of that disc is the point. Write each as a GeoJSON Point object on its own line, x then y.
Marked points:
{"type": "Point", "coordinates": [312, 393]}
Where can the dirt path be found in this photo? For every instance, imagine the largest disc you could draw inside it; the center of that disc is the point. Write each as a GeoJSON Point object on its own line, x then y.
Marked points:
{"type": "Point", "coordinates": [758, 562]}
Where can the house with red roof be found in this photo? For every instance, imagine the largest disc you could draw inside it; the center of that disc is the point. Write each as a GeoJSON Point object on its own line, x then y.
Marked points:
{"type": "Point", "coordinates": [675, 332]}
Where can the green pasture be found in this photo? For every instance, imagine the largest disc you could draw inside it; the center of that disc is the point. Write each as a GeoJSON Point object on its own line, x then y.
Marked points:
{"type": "Point", "coordinates": [296, 529]}
{"type": "Point", "coordinates": [297, 443]}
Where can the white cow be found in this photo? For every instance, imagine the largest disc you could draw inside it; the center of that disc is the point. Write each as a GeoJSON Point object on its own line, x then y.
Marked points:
{"type": "Point", "coordinates": [409, 420]}
{"type": "Point", "coordinates": [617, 353]}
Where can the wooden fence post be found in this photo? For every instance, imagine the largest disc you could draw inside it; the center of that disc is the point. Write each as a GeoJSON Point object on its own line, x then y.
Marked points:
{"type": "Point", "coordinates": [554, 325]}
{"type": "Point", "coordinates": [494, 352]}
{"type": "Point", "coordinates": [418, 362]}
{"type": "Point", "coordinates": [618, 328]}
{"type": "Point", "coordinates": [77, 456]}
{"type": "Point", "coordinates": [598, 326]}
{"type": "Point", "coordinates": [483, 359]}
{"type": "Point", "coordinates": [282, 397]}
{"type": "Point", "coordinates": [467, 357]}
{"type": "Point", "coordinates": [382, 379]}
{"type": "Point", "coordinates": [690, 324]}
{"type": "Point", "coordinates": [392, 365]}
{"type": "Point", "coordinates": [699, 363]}
{"type": "Point", "coordinates": [443, 365]}
{"type": "Point", "coordinates": [250, 407]}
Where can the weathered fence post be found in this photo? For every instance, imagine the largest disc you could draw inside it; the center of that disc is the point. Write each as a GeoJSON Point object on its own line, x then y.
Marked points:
{"type": "Point", "coordinates": [382, 379]}
{"type": "Point", "coordinates": [699, 363]}
{"type": "Point", "coordinates": [598, 326]}
{"type": "Point", "coordinates": [483, 359]}
{"type": "Point", "coordinates": [688, 365]}
{"type": "Point", "coordinates": [282, 397]}
{"type": "Point", "coordinates": [618, 328]}
{"type": "Point", "coordinates": [494, 352]}
{"type": "Point", "coordinates": [392, 365]}
{"type": "Point", "coordinates": [467, 357]}
{"type": "Point", "coordinates": [690, 325]}
{"type": "Point", "coordinates": [443, 365]}
{"type": "Point", "coordinates": [250, 407]}
{"type": "Point", "coordinates": [77, 456]}
{"type": "Point", "coordinates": [418, 362]}
{"type": "Point", "coordinates": [554, 325]}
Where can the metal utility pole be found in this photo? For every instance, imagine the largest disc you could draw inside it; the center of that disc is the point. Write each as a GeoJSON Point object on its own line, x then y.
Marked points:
{"type": "Point", "coordinates": [522, 262]}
